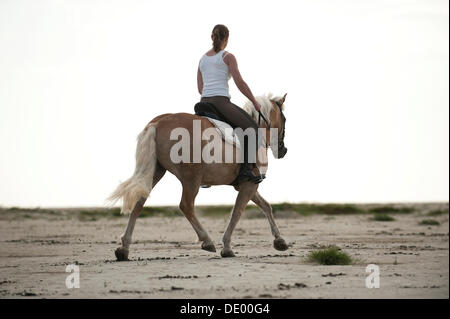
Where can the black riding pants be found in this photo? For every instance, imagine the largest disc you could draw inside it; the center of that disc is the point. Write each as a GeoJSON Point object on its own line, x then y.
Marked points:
{"type": "Point", "coordinates": [236, 117]}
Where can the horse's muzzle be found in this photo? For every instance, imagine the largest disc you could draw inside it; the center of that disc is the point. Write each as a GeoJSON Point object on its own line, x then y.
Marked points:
{"type": "Point", "coordinates": [282, 152]}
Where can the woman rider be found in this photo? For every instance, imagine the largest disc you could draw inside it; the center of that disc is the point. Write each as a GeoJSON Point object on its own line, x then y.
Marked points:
{"type": "Point", "coordinates": [214, 71]}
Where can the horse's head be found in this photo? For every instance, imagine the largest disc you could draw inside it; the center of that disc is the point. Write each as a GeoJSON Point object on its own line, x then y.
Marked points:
{"type": "Point", "coordinates": [278, 121]}
{"type": "Point", "coordinates": [270, 116]}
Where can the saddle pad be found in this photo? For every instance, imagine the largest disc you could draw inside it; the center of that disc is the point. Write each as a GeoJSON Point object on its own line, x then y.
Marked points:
{"type": "Point", "coordinates": [226, 131]}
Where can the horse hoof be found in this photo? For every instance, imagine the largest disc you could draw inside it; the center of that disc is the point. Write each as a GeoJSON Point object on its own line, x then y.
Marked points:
{"type": "Point", "coordinates": [227, 253]}
{"type": "Point", "coordinates": [121, 254]}
{"type": "Point", "coordinates": [280, 244]}
{"type": "Point", "coordinates": [209, 246]}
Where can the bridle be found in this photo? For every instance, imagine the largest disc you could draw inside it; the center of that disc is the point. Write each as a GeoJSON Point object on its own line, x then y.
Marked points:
{"type": "Point", "coordinates": [280, 140]}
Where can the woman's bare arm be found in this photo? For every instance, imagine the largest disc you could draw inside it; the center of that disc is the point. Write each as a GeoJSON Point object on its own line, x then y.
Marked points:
{"type": "Point", "coordinates": [230, 60]}
{"type": "Point", "coordinates": [199, 81]}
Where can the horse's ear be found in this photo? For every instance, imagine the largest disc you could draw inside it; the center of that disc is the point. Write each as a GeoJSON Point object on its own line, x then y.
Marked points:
{"type": "Point", "coordinates": [280, 102]}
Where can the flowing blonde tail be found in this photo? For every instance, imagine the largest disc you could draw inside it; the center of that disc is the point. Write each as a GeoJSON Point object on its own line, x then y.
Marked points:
{"type": "Point", "coordinates": [141, 183]}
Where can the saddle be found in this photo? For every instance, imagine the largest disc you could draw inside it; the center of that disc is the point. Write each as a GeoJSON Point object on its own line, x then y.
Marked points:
{"type": "Point", "coordinates": [223, 126]}
{"type": "Point", "coordinates": [209, 110]}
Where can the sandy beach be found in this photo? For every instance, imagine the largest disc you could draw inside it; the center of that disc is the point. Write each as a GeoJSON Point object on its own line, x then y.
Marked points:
{"type": "Point", "coordinates": [167, 262]}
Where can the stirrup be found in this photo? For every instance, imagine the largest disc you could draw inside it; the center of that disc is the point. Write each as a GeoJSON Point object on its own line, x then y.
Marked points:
{"type": "Point", "coordinates": [258, 178]}
{"type": "Point", "coordinates": [248, 176]}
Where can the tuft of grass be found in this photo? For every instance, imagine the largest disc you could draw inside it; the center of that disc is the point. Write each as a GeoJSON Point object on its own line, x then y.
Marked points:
{"type": "Point", "coordinates": [438, 212]}
{"type": "Point", "coordinates": [391, 210]}
{"type": "Point", "coordinates": [19, 209]}
{"type": "Point", "coordinates": [430, 222]}
{"type": "Point", "coordinates": [325, 209]}
{"type": "Point", "coordinates": [330, 256]}
{"type": "Point", "coordinates": [29, 210]}
{"type": "Point", "coordinates": [95, 214]}
{"type": "Point", "coordinates": [340, 209]}
{"type": "Point", "coordinates": [382, 218]}
{"type": "Point", "coordinates": [215, 210]}
{"type": "Point", "coordinates": [166, 211]}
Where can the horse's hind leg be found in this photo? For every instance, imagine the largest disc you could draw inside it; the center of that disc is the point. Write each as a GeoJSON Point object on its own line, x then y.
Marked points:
{"type": "Point", "coordinates": [122, 252]}
{"type": "Point", "coordinates": [246, 192]}
{"type": "Point", "coordinates": [187, 207]}
{"type": "Point", "coordinates": [279, 242]}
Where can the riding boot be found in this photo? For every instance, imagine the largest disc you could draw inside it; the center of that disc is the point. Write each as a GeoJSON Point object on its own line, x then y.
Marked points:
{"type": "Point", "coordinates": [246, 169]}
{"type": "Point", "coordinates": [246, 174]}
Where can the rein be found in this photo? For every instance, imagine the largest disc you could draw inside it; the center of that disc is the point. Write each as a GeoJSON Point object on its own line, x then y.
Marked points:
{"type": "Point", "coordinates": [265, 120]}
{"type": "Point", "coordinates": [268, 125]}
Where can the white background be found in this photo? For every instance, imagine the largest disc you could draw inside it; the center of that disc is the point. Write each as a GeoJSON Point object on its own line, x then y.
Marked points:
{"type": "Point", "coordinates": [367, 107]}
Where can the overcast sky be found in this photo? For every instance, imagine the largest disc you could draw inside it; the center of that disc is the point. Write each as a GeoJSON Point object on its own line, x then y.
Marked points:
{"type": "Point", "coordinates": [367, 106]}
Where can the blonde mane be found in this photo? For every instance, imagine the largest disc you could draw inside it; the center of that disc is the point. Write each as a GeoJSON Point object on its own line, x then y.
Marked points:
{"type": "Point", "coordinates": [266, 106]}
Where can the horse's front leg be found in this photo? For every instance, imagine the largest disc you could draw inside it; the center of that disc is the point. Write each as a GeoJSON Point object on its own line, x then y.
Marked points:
{"type": "Point", "coordinates": [246, 192]}
{"type": "Point", "coordinates": [279, 242]}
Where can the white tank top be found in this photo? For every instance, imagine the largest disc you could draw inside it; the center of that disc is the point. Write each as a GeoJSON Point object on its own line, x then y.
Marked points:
{"type": "Point", "coordinates": [215, 75]}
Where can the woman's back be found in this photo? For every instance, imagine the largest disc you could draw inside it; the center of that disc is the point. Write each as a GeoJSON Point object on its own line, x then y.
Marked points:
{"type": "Point", "coordinates": [215, 75]}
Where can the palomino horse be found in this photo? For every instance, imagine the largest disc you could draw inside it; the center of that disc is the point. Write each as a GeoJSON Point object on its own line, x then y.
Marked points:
{"type": "Point", "coordinates": [153, 159]}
